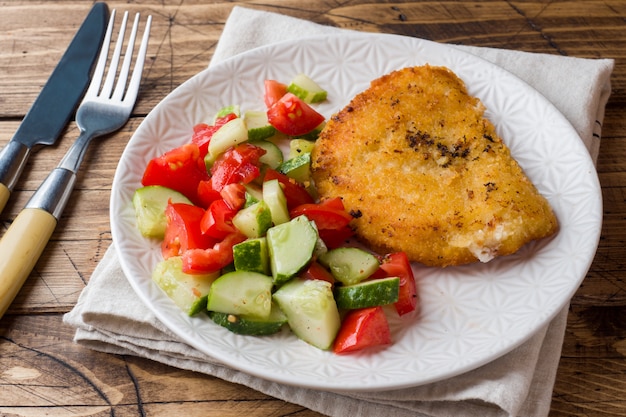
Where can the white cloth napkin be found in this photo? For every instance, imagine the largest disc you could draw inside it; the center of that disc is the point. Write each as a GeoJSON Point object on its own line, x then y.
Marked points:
{"type": "Point", "coordinates": [109, 317]}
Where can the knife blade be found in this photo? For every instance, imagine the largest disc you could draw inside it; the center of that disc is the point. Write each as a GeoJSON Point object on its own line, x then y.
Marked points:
{"type": "Point", "coordinates": [57, 101]}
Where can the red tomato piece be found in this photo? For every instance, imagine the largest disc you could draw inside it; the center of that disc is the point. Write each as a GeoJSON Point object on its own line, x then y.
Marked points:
{"type": "Point", "coordinates": [202, 261]}
{"type": "Point", "coordinates": [180, 169]}
{"type": "Point", "coordinates": [206, 193]}
{"type": "Point", "coordinates": [315, 270]}
{"type": "Point", "coordinates": [292, 116]}
{"type": "Point", "coordinates": [334, 238]}
{"type": "Point", "coordinates": [325, 214]}
{"type": "Point", "coordinates": [274, 90]}
{"type": "Point", "coordinates": [237, 164]}
{"type": "Point", "coordinates": [234, 195]}
{"type": "Point", "coordinates": [217, 220]}
{"type": "Point", "coordinates": [203, 132]}
{"type": "Point", "coordinates": [295, 193]}
{"type": "Point", "coordinates": [183, 230]}
{"type": "Point", "coordinates": [398, 265]}
{"type": "Point", "coordinates": [361, 329]}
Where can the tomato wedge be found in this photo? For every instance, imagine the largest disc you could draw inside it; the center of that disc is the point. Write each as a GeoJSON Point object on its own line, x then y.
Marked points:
{"type": "Point", "coordinates": [362, 328]}
{"type": "Point", "coordinates": [397, 265]}
{"type": "Point", "coordinates": [315, 270]}
{"type": "Point", "coordinates": [237, 164]}
{"type": "Point", "coordinates": [217, 220]}
{"type": "Point", "coordinates": [292, 116]}
{"type": "Point", "coordinates": [274, 91]}
{"type": "Point", "coordinates": [201, 261]}
{"type": "Point", "coordinates": [180, 169]}
{"type": "Point", "coordinates": [183, 230]}
{"type": "Point", "coordinates": [327, 214]}
{"type": "Point", "coordinates": [206, 193]}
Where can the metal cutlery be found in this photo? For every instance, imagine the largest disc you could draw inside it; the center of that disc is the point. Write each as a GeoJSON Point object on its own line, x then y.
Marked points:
{"type": "Point", "coordinates": [56, 102]}
{"type": "Point", "coordinates": [105, 108]}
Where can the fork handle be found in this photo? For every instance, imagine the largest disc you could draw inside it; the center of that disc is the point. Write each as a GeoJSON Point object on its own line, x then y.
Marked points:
{"type": "Point", "coordinates": [24, 241]}
{"type": "Point", "coordinates": [20, 248]}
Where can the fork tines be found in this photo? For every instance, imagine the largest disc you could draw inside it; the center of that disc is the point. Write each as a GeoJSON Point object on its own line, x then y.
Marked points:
{"type": "Point", "coordinates": [106, 91]}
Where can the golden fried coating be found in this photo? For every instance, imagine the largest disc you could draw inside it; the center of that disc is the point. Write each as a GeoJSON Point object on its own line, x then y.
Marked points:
{"type": "Point", "coordinates": [422, 171]}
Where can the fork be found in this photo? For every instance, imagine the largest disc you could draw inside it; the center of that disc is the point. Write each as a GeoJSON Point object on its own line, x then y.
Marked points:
{"type": "Point", "coordinates": [105, 108]}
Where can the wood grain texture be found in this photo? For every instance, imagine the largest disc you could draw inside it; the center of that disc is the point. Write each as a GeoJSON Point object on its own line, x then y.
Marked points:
{"type": "Point", "coordinates": [42, 372]}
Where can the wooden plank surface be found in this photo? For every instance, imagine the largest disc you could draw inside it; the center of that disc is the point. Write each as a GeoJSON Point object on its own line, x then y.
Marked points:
{"type": "Point", "coordinates": [43, 372]}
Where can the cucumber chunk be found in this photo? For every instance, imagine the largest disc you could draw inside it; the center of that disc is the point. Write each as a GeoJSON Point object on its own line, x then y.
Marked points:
{"type": "Point", "coordinates": [300, 147]}
{"type": "Point", "coordinates": [258, 126]}
{"type": "Point", "coordinates": [349, 265]}
{"type": "Point", "coordinates": [252, 255]}
{"type": "Point", "coordinates": [251, 326]}
{"type": "Point", "coordinates": [291, 247]}
{"type": "Point", "coordinates": [241, 292]}
{"type": "Point", "coordinates": [231, 134]}
{"type": "Point", "coordinates": [189, 292]}
{"type": "Point", "coordinates": [307, 89]}
{"type": "Point", "coordinates": [150, 203]}
{"type": "Point", "coordinates": [311, 311]}
{"type": "Point", "coordinates": [253, 221]}
{"type": "Point", "coordinates": [372, 293]}
{"type": "Point", "coordinates": [273, 156]}
{"type": "Point", "coordinates": [253, 195]}
{"type": "Point", "coordinates": [275, 198]}
{"type": "Point", "coordinates": [298, 168]}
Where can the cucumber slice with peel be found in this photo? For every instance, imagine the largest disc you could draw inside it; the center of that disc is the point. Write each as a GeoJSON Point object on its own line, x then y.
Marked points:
{"type": "Point", "coordinates": [149, 203]}
{"type": "Point", "coordinates": [273, 156]}
{"type": "Point", "coordinates": [259, 128]}
{"type": "Point", "coordinates": [377, 292]}
{"type": "Point", "coordinates": [251, 326]}
{"type": "Point", "coordinates": [254, 220]}
{"type": "Point", "coordinates": [274, 197]}
{"type": "Point", "coordinates": [311, 310]}
{"type": "Point", "coordinates": [252, 255]}
{"type": "Point", "coordinates": [188, 291]}
{"type": "Point", "coordinates": [349, 265]}
{"type": "Point", "coordinates": [298, 168]}
{"type": "Point", "coordinates": [232, 133]}
{"type": "Point", "coordinates": [241, 293]}
{"type": "Point", "coordinates": [291, 247]}
{"type": "Point", "coordinates": [307, 89]}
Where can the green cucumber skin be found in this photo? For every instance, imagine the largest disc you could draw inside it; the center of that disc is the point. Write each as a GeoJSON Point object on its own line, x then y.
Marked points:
{"type": "Point", "coordinates": [373, 293]}
{"type": "Point", "coordinates": [241, 293]}
{"type": "Point", "coordinates": [254, 220]}
{"type": "Point", "coordinates": [189, 292]}
{"type": "Point", "coordinates": [252, 255]}
{"type": "Point", "coordinates": [307, 89]}
{"type": "Point", "coordinates": [311, 311]}
{"type": "Point", "coordinates": [298, 168]}
{"type": "Point", "coordinates": [251, 326]}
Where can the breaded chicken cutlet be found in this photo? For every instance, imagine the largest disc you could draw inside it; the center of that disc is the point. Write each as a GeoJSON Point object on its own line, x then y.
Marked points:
{"type": "Point", "coordinates": [423, 171]}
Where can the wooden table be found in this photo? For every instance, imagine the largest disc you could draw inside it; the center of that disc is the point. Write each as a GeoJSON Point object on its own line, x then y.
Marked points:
{"type": "Point", "coordinates": [42, 372]}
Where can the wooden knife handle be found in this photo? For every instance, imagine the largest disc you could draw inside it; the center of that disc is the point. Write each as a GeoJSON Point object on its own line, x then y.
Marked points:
{"type": "Point", "coordinates": [20, 248]}
{"type": "Point", "coordinates": [4, 196]}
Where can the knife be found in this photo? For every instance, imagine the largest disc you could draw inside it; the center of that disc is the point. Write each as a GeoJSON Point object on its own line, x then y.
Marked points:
{"type": "Point", "coordinates": [56, 102]}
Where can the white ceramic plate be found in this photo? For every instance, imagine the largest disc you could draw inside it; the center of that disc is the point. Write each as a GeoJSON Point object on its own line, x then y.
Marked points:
{"type": "Point", "coordinates": [469, 315]}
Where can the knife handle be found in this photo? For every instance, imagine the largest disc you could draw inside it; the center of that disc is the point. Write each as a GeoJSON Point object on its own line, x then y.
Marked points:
{"type": "Point", "coordinates": [20, 248]}
{"type": "Point", "coordinates": [13, 159]}
{"type": "Point", "coordinates": [4, 196]}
